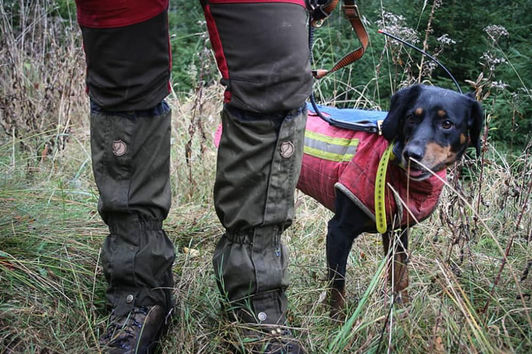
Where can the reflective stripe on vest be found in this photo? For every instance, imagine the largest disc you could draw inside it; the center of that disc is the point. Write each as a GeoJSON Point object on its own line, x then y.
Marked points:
{"type": "Point", "coordinates": [330, 148]}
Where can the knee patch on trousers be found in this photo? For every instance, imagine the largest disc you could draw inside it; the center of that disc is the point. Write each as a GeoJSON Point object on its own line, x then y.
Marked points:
{"type": "Point", "coordinates": [258, 165]}
{"type": "Point", "coordinates": [131, 161]}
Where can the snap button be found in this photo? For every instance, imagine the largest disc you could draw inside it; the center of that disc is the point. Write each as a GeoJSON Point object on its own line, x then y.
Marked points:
{"type": "Point", "coordinates": [129, 299]}
{"type": "Point", "coordinates": [262, 316]}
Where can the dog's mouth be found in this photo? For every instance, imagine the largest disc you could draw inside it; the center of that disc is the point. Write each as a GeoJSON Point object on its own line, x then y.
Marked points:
{"type": "Point", "coordinates": [414, 170]}
{"type": "Point", "coordinates": [417, 174]}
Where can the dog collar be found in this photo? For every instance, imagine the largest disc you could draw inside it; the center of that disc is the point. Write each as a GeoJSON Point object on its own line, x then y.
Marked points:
{"type": "Point", "coordinates": [380, 190]}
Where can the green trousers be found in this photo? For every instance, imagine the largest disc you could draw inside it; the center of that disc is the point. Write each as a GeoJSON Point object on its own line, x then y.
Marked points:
{"type": "Point", "coordinates": [131, 165]}
{"type": "Point", "coordinates": [258, 166]}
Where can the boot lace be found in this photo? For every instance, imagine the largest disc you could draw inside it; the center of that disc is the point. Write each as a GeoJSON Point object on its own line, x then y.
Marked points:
{"type": "Point", "coordinates": [123, 332]}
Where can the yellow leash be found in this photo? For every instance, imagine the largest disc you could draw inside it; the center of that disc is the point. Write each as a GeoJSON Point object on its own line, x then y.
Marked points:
{"type": "Point", "coordinates": [380, 190]}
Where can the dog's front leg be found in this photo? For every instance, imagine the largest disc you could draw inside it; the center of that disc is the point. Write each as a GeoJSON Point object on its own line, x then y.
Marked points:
{"type": "Point", "coordinates": [343, 228]}
{"type": "Point", "coordinates": [338, 248]}
{"type": "Point", "coordinates": [397, 270]}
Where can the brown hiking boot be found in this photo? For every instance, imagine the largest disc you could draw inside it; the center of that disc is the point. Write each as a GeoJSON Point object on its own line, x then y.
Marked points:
{"type": "Point", "coordinates": [136, 332]}
{"type": "Point", "coordinates": [272, 340]}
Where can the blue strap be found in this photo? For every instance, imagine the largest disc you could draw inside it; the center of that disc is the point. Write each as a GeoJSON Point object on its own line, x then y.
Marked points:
{"type": "Point", "coordinates": [350, 118]}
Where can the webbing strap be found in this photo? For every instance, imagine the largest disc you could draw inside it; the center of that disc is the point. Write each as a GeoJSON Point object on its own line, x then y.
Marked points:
{"type": "Point", "coordinates": [353, 15]}
{"type": "Point", "coordinates": [321, 12]}
{"type": "Point", "coordinates": [380, 191]}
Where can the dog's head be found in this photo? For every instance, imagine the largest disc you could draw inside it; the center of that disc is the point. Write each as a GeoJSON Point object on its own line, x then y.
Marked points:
{"type": "Point", "coordinates": [433, 126]}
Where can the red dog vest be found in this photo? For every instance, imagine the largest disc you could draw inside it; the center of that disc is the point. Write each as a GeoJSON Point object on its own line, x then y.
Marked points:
{"type": "Point", "coordinates": [347, 160]}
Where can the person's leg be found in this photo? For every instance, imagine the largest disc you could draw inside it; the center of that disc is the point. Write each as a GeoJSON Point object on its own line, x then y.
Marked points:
{"type": "Point", "coordinates": [262, 52]}
{"type": "Point", "coordinates": [258, 167]}
{"type": "Point", "coordinates": [131, 160]}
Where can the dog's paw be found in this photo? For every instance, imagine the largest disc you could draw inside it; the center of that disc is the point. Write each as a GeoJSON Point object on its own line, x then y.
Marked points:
{"type": "Point", "coordinates": [337, 315]}
{"type": "Point", "coordinates": [337, 304]}
{"type": "Point", "coordinates": [401, 298]}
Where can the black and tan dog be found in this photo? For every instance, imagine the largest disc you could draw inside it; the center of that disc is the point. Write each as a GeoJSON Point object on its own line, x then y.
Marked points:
{"type": "Point", "coordinates": [430, 129]}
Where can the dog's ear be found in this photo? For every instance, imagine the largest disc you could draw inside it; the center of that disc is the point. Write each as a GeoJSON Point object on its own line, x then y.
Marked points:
{"type": "Point", "coordinates": [404, 98]}
{"type": "Point", "coordinates": [475, 123]}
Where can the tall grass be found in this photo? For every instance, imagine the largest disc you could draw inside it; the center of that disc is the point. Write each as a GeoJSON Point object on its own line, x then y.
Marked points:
{"type": "Point", "coordinates": [469, 263]}
{"type": "Point", "coordinates": [41, 84]}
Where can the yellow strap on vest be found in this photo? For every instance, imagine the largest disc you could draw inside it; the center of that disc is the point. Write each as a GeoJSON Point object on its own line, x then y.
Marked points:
{"type": "Point", "coordinates": [380, 190]}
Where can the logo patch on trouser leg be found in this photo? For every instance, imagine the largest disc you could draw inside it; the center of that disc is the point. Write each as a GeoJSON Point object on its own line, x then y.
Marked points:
{"type": "Point", "coordinates": [119, 148]}
{"type": "Point", "coordinates": [287, 149]}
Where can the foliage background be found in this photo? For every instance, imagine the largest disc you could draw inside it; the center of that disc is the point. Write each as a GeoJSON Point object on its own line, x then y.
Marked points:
{"type": "Point", "coordinates": [456, 32]}
{"type": "Point", "coordinates": [504, 60]}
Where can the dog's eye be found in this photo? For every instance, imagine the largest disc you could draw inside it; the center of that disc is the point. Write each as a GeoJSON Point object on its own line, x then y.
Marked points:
{"type": "Point", "coordinates": [411, 118]}
{"type": "Point", "coordinates": [447, 124]}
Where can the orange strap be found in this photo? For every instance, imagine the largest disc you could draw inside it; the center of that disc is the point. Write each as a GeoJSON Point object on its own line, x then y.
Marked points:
{"type": "Point", "coordinates": [353, 15]}
{"type": "Point", "coordinates": [322, 12]}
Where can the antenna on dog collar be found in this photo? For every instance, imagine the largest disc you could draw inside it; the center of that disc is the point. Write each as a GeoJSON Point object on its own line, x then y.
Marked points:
{"type": "Point", "coordinates": [425, 54]}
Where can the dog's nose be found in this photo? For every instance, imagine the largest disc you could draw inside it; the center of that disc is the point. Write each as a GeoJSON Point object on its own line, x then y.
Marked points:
{"type": "Point", "coordinates": [414, 151]}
